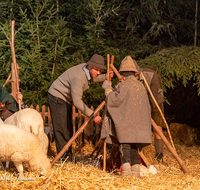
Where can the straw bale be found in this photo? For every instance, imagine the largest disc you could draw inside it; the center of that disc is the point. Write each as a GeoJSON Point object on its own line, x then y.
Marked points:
{"type": "Point", "coordinates": [79, 176]}
{"type": "Point", "coordinates": [184, 134]}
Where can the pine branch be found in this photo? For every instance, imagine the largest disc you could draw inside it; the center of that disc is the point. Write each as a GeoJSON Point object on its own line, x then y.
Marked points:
{"type": "Point", "coordinates": [6, 35]}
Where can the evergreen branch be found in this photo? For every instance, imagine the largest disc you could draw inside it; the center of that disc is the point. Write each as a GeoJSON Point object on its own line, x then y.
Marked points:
{"type": "Point", "coordinates": [32, 10]}
{"type": "Point", "coordinates": [6, 35]}
{"type": "Point", "coordinates": [48, 22]}
{"type": "Point", "coordinates": [18, 30]}
{"type": "Point", "coordinates": [55, 56]}
{"type": "Point", "coordinates": [42, 8]}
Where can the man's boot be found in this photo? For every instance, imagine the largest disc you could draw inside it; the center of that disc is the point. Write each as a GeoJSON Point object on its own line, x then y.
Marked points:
{"type": "Point", "coordinates": [158, 143]}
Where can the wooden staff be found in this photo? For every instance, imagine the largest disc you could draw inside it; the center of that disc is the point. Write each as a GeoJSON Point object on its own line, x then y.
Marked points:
{"type": "Point", "coordinates": [80, 130]}
{"type": "Point", "coordinates": [97, 147]}
{"type": "Point", "coordinates": [109, 79]}
{"type": "Point", "coordinates": [15, 65]}
{"type": "Point", "coordinates": [145, 81]}
{"type": "Point", "coordinates": [104, 144]}
{"type": "Point", "coordinates": [116, 72]}
{"type": "Point", "coordinates": [146, 161]}
{"type": "Point", "coordinates": [169, 147]}
{"type": "Point", "coordinates": [181, 163]}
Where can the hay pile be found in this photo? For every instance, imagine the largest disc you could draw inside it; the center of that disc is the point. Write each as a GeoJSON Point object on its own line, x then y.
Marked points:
{"type": "Point", "coordinates": [80, 176]}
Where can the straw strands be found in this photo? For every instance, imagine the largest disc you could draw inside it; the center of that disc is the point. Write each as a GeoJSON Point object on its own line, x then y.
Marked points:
{"type": "Point", "coordinates": [79, 176]}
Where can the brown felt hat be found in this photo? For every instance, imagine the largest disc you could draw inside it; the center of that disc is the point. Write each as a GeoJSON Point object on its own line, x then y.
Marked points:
{"type": "Point", "coordinates": [97, 61]}
{"type": "Point", "coordinates": [127, 64]}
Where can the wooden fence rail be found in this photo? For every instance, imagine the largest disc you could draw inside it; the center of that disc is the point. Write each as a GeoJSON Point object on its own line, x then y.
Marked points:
{"type": "Point", "coordinates": [92, 130]}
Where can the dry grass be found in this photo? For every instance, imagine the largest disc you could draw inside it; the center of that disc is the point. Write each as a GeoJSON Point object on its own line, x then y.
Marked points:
{"type": "Point", "coordinates": [79, 176]}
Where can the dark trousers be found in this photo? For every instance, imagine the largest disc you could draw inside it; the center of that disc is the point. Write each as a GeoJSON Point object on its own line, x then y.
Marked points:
{"type": "Point", "coordinates": [129, 153]}
{"type": "Point", "coordinates": [61, 115]}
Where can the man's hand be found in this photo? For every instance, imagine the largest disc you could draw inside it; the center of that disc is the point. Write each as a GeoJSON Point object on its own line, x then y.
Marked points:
{"type": "Point", "coordinates": [111, 74]}
{"type": "Point", "coordinates": [97, 119]}
{"type": "Point", "coordinates": [19, 96]}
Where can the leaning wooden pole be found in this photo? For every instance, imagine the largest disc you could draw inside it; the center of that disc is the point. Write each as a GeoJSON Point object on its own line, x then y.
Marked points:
{"type": "Point", "coordinates": [80, 130]}
{"type": "Point", "coordinates": [172, 150]}
{"type": "Point", "coordinates": [15, 75]}
{"type": "Point", "coordinates": [161, 113]}
{"type": "Point", "coordinates": [183, 166]}
{"type": "Point", "coordinates": [104, 144]}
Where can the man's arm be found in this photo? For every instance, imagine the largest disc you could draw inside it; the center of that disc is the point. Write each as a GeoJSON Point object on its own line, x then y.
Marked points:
{"type": "Point", "coordinates": [77, 93]}
{"type": "Point", "coordinates": [12, 105]}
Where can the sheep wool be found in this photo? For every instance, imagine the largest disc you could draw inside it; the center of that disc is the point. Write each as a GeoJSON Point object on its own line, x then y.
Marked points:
{"type": "Point", "coordinates": [31, 121]}
{"type": "Point", "coordinates": [22, 147]}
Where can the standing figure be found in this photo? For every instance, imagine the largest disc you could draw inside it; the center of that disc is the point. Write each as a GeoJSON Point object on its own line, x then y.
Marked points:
{"type": "Point", "coordinates": [153, 82]}
{"type": "Point", "coordinates": [128, 120]}
{"type": "Point", "coordinates": [67, 90]}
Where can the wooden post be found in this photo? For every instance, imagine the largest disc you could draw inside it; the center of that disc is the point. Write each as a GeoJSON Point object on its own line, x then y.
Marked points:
{"type": "Point", "coordinates": [74, 119]}
{"type": "Point", "coordinates": [85, 130]}
{"type": "Point", "coordinates": [97, 132]}
{"type": "Point", "coordinates": [49, 120]}
{"type": "Point", "coordinates": [104, 145]}
{"type": "Point", "coordinates": [37, 108]}
{"type": "Point", "coordinates": [104, 156]}
{"type": "Point", "coordinates": [43, 113]}
{"type": "Point", "coordinates": [79, 125]}
{"type": "Point", "coordinates": [15, 67]}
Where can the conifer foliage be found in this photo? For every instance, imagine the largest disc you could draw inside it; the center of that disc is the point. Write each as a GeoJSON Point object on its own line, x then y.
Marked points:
{"type": "Point", "coordinates": [54, 35]}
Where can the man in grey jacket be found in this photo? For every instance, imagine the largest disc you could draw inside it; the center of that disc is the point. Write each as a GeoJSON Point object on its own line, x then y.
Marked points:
{"type": "Point", "coordinates": [67, 90]}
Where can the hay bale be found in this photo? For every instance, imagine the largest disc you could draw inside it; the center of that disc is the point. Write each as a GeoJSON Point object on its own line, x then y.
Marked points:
{"type": "Point", "coordinates": [184, 134]}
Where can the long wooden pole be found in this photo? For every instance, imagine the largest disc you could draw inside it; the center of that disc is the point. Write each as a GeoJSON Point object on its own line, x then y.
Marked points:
{"type": "Point", "coordinates": [116, 72]}
{"type": "Point", "coordinates": [109, 79]}
{"type": "Point", "coordinates": [169, 147]}
{"type": "Point", "coordinates": [104, 144]}
{"type": "Point", "coordinates": [161, 113]}
{"type": "Point", "coordinates": [172, 150]}
{"type": "Point", "coordinates": [80, 130]}
{"type": "Point", "coordinates": [15, 66]}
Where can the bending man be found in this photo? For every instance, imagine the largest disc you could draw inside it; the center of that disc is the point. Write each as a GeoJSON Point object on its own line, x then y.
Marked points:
{"type": "Point", "coordinates": [67, 90]}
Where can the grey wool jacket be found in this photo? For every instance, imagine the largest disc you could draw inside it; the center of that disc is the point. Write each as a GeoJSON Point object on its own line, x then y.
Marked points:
{"type": "Point", "coordinates": [129, 110]}
{"type": "Point", "coordinates": [70, 86]}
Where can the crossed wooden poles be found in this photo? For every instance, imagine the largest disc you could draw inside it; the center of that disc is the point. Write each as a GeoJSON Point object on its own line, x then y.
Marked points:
{"type": "Point", "coordinates": [15, 67]}
{"type": "Point", "coordinates": [156, 128]}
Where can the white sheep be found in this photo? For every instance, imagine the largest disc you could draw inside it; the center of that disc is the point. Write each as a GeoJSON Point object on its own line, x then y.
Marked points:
{"type": "Point", "coordinates": [22, 147]}
{"type": "Point", "coordinates": [31, 121]}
